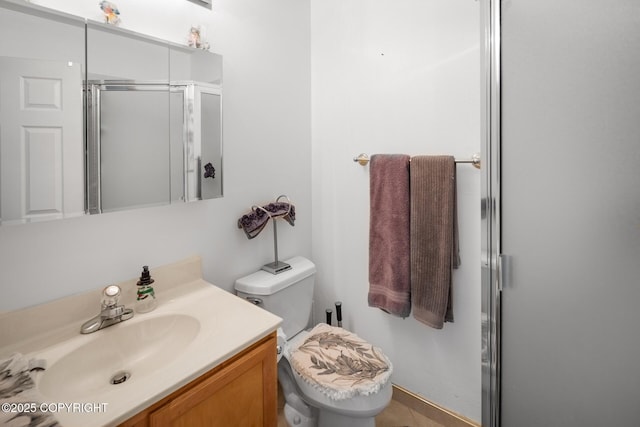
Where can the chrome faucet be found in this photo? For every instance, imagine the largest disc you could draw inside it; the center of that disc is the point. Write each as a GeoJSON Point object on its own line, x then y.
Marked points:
{"type": "Point", "coordinates": [110, 313]}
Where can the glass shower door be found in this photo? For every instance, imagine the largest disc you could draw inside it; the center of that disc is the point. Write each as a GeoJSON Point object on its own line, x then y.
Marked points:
{"type": "Point", "coordinates": [570, 219]}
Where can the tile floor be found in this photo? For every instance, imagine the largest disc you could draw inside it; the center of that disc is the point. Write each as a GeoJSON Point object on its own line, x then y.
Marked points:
{"type": "Point", "coordinates": [399, 415]}
{"type": "Point", "coordinates": [395, 415]}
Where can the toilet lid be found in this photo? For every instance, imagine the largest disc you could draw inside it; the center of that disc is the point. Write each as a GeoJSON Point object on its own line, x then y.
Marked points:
{"type": "Point", "coordinates": [339, 363]}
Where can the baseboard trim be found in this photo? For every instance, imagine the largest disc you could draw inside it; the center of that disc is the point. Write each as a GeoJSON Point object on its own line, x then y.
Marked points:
{"type": "Point", "coordinates": [431, 410]}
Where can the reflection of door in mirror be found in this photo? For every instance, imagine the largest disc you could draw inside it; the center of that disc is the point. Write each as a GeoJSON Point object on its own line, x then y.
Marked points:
{"type": "Point", "coordinates": [40, 131]}
{"type": "Point", "coordinates": [41, 115]}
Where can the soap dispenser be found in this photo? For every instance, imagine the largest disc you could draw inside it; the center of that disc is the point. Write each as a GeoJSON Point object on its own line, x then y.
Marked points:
{"type": "Point", "coordinates": [146, 297]}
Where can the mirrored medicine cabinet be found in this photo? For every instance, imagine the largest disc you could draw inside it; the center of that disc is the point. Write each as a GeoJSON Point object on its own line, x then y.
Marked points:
{"type": "Point", "coordinates": [95, 118]}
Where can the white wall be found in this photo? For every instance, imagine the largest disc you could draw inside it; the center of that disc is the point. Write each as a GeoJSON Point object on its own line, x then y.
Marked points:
{"type": "Point", "coordinates": [397, 76]}
{"type": "Point", "coordinates": [267, 152]}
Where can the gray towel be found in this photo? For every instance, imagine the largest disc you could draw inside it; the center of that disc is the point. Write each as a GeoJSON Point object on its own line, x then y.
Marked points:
{"type": "Point", "coordinates": [389, 279]}
{"type": "Point", "coordinates": [434, 238]}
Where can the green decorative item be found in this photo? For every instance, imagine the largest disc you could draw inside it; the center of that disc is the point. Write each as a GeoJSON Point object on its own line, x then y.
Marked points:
{"type": "Point", "coordinates": [145, 296]}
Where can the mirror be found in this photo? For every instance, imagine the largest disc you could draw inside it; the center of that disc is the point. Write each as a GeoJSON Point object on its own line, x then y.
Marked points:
{"type": "Point", "coordinates": [41, 116]}
{"type": "Point", "coordinates": [196, 77]}
{"type": "Point", "coordinates": [134, 122]}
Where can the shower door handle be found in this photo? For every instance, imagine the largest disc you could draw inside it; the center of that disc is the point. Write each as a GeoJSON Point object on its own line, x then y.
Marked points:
{"type": "Point", "coordinates": [504, 271]}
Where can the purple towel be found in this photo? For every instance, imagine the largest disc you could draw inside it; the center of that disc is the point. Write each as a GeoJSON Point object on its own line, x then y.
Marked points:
{"type": "Point", "coordinates": [389, 245]}
{"type": "Point", "coordinates": [434, 237]}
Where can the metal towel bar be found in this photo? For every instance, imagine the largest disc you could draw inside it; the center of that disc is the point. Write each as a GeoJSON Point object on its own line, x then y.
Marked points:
{"type": "Point", "coordinates": [363, 159]}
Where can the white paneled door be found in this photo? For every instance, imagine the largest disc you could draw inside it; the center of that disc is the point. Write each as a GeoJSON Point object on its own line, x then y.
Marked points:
{"type": "Point", "coordinates": [41, 140]}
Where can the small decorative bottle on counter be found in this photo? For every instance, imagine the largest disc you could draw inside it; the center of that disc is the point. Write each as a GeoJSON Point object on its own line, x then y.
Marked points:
{"type": "Point", "coordinates": [146, 297]}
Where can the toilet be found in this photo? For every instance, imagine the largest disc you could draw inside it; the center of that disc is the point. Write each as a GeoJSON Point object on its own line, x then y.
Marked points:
{"type": "Point", "coordinates": [329, 376]}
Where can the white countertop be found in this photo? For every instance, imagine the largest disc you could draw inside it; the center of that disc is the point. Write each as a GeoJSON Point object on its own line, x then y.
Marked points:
{"type": "Point", "coordinates": [228, 325]}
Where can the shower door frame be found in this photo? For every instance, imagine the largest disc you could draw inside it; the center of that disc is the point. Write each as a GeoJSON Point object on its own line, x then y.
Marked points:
{"type": "Point", "coordinates": [492, 262]}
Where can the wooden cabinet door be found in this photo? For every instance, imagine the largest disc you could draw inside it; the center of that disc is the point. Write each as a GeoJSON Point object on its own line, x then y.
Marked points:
{"type": "Point", "coordinates": [243, 392]}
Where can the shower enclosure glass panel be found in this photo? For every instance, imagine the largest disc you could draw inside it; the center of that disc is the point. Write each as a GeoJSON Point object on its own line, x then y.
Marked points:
{"type": "Point", "coordinates": [570, 214]}
{"type": "Point", "coordinates": [199, 105]}
{"type": "Point", "coordinates": [133, 155]}
{"type": "Point", "coordinates": [208, 147]}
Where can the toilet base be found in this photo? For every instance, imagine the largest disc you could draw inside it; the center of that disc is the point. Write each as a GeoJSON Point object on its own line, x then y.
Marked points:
{"type": "Point", "coordinates": [297, 418]}
{"type": "Point", "coordinates": [333, 419]}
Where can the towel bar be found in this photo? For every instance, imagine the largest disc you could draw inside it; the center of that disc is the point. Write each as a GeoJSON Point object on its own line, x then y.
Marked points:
{"type": "Point", "coordinates": [363, 159]}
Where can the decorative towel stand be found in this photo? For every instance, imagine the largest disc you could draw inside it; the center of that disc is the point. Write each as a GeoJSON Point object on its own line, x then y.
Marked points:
{"type": "Point", "coordinates": [276, 266]}
{"type": "Point", "coordinates": [363, 159]}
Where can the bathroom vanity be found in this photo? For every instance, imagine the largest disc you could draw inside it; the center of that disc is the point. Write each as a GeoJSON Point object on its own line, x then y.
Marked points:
{"type": "Point", "coordinates": [241, 391]}
{"type": "Point", "coordinates": [203, 357]}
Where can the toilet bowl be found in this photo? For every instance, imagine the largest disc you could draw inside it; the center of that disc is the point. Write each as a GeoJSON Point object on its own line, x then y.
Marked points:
{"type": "Point", "coordinates": [312, 368]}
{"type": "Point", "coordinates": [337, 404]}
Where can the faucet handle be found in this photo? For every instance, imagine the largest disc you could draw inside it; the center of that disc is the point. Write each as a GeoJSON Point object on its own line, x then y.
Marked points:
{"type": "Point", "coordinates": [110, 296]}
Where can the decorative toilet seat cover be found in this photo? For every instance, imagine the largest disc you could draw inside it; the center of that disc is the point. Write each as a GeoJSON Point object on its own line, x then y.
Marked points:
{"type": "Point", "coordinates": [340, 364]}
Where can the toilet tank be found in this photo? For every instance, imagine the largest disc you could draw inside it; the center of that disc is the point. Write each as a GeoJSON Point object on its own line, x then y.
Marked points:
{"type": "Point", "coordinates": [288, 294]}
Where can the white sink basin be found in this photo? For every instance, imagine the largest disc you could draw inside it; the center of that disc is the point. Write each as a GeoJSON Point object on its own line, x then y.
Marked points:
{"type": "Point", "coordinates": [139, 348]}
{"type": "Point", "coordinates": [196, 327]}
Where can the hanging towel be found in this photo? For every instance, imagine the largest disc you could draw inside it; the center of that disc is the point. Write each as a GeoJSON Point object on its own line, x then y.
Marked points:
{"type": "Point", "coordinates": [18, 388]}
{"type": "Point", "coordinates": [389, 273]}
{"type": "Point", "coordinates": [255, 221]}
{"type": "Point", "coordinates": [434, 238]}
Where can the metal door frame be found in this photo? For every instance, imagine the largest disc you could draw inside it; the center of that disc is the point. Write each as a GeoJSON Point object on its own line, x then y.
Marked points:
{"type": "Point", "coordinates": [490, 222]}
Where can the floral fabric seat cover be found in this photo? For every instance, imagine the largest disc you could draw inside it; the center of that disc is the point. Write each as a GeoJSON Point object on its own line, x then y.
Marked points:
{"type": "Point", "coordinates": [339, 363]}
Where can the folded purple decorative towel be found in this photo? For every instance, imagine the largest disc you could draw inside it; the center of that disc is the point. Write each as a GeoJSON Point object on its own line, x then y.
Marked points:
{"type": "Point", "coordinates": [389, 245]}
{"type": "Point", "coordinates": [255, 221]}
